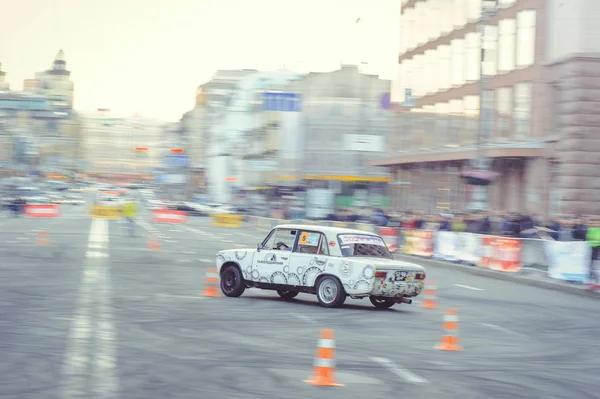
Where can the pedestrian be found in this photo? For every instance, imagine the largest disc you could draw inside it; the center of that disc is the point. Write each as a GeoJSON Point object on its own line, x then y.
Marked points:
{"type": "Point", "coordinates": [593, 238]}
{"type": "Point", "coordinates": [129, 213]}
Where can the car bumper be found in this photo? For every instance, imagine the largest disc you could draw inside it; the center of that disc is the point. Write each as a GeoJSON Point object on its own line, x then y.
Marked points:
{"type": "Point", "coordinates": [397, 289]}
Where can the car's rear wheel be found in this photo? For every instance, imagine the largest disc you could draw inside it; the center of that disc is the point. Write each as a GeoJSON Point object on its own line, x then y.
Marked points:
{"type": "Point", "coordinates": [287, 294]}
{"type": "Point", "coordinates": [382, 303]}
{"type": "Point", "coordinates": [232, 282]}
{"type": "Point", "coordinates": [330, 292]}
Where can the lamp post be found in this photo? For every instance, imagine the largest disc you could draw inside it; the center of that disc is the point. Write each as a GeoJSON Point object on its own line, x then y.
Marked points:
{"type": "Point", "coordinates": [481, 177]}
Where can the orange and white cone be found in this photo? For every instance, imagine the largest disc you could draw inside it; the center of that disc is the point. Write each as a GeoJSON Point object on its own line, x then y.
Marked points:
{"type": "Point", "coordinates": [449, 341]}
{"type": "Point", "coordinates": [42, 237]}
{"type": "Point", "coordinates": [153, 243]}
{"type": "Point", "coordinates": [211, 281]}
{"type": "Point", "coordinates": [324, 364]}
{"type": "Point", "coordinates": [430, 296]}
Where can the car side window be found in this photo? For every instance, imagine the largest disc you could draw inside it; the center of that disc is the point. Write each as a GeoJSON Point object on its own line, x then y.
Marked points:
{"type": "Point", "coordinates": [324, 249]}
{"type": "Point", "coordinates": [269, 243]}
{"type": "Point", "coordinates": [286, 237]}
{"type": "Point", "coordinates": [309, 242]}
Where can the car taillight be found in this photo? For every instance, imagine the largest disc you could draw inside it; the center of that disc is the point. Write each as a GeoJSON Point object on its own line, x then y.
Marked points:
{"type": "Point", "coordinates": [420, 276]}
{"type": "Point", "coordinates": [381, 274]}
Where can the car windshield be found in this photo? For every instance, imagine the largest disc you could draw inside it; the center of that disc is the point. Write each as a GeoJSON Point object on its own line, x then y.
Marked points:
{"type": "Point", "coordinates": [354, 245]}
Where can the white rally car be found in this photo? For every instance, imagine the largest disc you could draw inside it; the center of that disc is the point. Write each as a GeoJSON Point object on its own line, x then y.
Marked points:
{"type": "Point", "coordinates": [331, 262]}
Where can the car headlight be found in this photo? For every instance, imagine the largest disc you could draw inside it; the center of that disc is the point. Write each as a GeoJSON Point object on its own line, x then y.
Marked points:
{"type": "Point", "coordinates": [368, 272]}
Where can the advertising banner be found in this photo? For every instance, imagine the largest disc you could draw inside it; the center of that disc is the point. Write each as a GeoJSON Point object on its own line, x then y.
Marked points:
{"type": "Point", "coordinates": [470, 249]}
{"type": "Point", "coordinates": [418, 242]}
{"type": "Point", "coordinates": [568, 261]}
{"type": "Point", "coordinates": [447, 246]}
{"type": "Point", "coordinates": [501, 254]}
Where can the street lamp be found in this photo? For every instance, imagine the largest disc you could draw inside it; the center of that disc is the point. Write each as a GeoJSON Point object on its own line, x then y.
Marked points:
{"type": "Point", "coordinates": [480, 177]}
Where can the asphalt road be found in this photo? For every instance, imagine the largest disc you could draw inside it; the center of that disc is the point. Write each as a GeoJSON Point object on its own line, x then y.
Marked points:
{"type": "Point", "coordinates": [97, 314]}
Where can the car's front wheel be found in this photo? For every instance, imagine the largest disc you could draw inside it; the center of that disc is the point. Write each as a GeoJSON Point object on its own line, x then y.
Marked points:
{"type": "Point", "coordinates": [232, 282]}
{"type": "Point", "coordinates": [330, 292]}
{"type": "Point", "coordinates": [286, 294]}
{"type": "Point", "coordinates": [382, 303]}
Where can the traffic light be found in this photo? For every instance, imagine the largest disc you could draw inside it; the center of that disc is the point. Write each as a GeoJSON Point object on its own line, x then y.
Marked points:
{"type": "Point", "coordinates": [177, 150]}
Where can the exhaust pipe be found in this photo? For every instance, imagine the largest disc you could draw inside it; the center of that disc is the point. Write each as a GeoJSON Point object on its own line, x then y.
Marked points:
{"type": "Point", "coordinates": [405, 300]}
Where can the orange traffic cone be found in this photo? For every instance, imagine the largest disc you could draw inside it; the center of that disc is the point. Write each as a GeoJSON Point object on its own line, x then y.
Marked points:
{"type": "Point", "coordinates": [42, 237]}
{"type": "Point", "coordinates": [211, 280]}
{"type": "Point", "coordinates": [324, 364]}
{"type": "Point", "coordinates": [430, 296]}
{"type": "Point", "coordinates": [449, 341]}
{"type": "Point", "coordinates": [153, 243]}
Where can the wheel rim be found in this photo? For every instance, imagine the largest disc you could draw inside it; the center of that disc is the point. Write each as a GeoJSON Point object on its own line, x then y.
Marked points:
{"type": "Point", "coordinates": [379, 300]}
{"type": "Point", "coordinates": [328, 291]}
{"type": "Point", "coordinates": [229, 281]}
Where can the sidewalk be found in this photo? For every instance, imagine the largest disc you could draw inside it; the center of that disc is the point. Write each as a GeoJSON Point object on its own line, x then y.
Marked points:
{"type": "Point", "coordinates": [530, 277]}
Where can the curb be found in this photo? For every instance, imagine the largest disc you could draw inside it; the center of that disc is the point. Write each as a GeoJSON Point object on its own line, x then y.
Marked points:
{"type": "Point", "coordinates": [512, 277]}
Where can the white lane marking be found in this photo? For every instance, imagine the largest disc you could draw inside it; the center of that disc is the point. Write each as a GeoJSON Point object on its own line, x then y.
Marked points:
{"type": "Point", "coordinates": [405, 374]}
{"type": "Point", "coordinates": [189, 252]}
{"type": "Point", "coordinates": [304, 318]}
{"type": "Point", "coordinates": [95, 246]}
{"type": "Point", "coordinates": [105, 379]}
{"type": "Point", "coordinates": [239, 245]}
{"type": "Point", "coordinates": [226, 234]}
{"type": "Point", "coordinates": [22, 238]}
{"type": "Point", "coordinates": [95, 286]}
{"type": "Point", "coordinates": [193, 230]}
{"type": "Point", "coordinates": [502, 329]}
{"type": "Point", "coordinates": [204, 260]}
{"type": "Point", "coordinates": [468, 287]}
{"type": "Point", "coordinates": [171, 241]}
{"type": "Point", "coordinates": [180, 296]}
{"type": "Point", "coordinates": [175, 231]}
{"type": "Point", "coordinates": [146, 226]}
{"type": "Point", "coordinates": [228, 241]}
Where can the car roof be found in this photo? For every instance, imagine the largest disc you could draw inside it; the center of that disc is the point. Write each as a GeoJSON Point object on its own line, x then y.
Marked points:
{"type": "Point", "coordinates": [325, 229]}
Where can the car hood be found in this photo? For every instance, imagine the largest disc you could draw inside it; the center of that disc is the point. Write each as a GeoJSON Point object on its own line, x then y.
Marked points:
{"type": "Point", "coordinates": [390, 264]}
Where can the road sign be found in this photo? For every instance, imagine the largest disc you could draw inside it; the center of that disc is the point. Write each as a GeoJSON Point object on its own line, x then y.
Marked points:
{"type": "Point", "coordinates": [282, 102]}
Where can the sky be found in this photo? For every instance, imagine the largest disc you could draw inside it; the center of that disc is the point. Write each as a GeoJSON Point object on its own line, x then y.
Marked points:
{"type": "Point", "coordinates": [149, 56]}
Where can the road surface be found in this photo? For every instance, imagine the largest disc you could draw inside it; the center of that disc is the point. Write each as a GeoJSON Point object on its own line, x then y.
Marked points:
{"type": "Point", "coordinates": [97, 314]}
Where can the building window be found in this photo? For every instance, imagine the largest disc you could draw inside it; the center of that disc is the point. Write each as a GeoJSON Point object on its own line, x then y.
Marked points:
{"type": "Point", "coordinates": [506, 44]}
{"type": "Point", "coordinates": [504, 109]}
{"type": "Point", "coordinates": [445, 70]}
{"type": "Point", "coordinates": [473, 9]}
{"type": "Point", "coordinates": [473, 56]}
{"type": "Point", "coordinates": [490, 50]}
{"type": "Point", "coordinates": [526, 38]}
{"type": "Point", "coordinates": [487, 111]}
{"type": "Point", "coordinates": [458, 62]}
{"type": "Point", "coordinates": [471, 104]}
{"type": "Point", "coordinates": [522, 110]}
{"type": "Point", "coordinates": [460, 14]}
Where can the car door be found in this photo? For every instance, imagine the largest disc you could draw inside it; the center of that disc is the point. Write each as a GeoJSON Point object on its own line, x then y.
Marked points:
{"type": "Point", "coordinates": [271, 262]}
{"type": "Point", "coordinates": [309, 258]}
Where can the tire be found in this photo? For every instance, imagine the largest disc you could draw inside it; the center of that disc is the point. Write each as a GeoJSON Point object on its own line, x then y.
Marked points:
{"type": "Point", "coordinates": [288, 294]}
{"type": "Point", "coordinates": [382, 303]}
{"type": "Point", "coordinates": [330, 292]}
{"type": "Point", "coordinates": [232, 282]}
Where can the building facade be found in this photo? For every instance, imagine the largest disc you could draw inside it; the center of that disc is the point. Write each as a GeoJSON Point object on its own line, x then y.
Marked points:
{"type": "Point", "coordinates": [39, 133]}
{"type": "Point", "coordinates": [343, 127]}
{"type": "Point", "coordinates": [457, 106]}
{"type": "Point", "coordinates": [122, 145]}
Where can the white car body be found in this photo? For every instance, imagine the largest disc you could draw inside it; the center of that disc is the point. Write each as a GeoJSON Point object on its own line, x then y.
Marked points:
{"type": "Point", "coordinates": [379, 277]}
